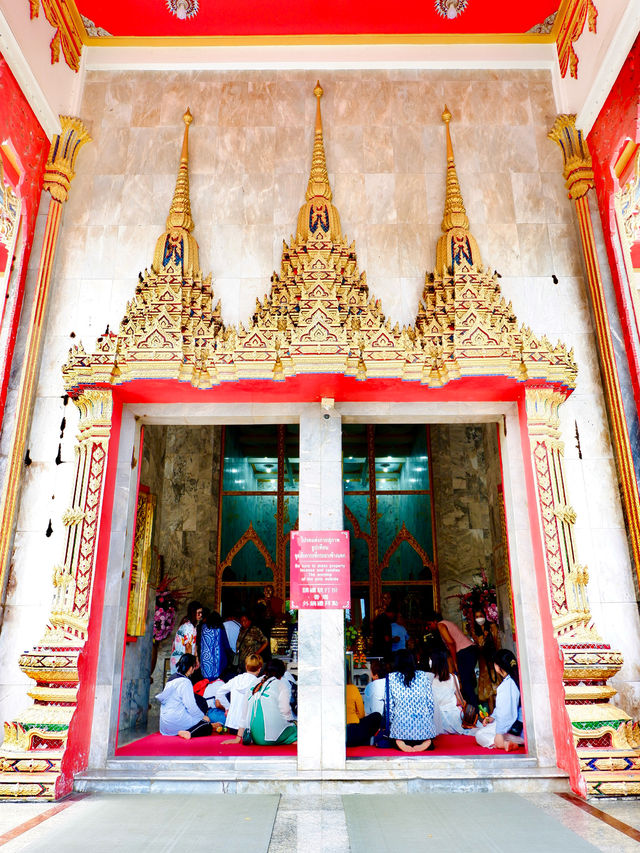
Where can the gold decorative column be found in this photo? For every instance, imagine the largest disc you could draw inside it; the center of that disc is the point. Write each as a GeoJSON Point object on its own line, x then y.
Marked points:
{"type": "Point", "coordinates": [578, 173]}
{"type": "Point", "coordinates": [59, 172]}
{"type": "Point", "coordinates": [35, 741]}
{"type": "Point", "coordinates": [605, 737]}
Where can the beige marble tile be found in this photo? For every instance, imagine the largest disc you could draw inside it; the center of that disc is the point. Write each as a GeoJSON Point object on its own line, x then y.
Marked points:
{"type": "Point", "coordinates": [528, 198]}
{"type": "Point", "coordinates": [535, 250]}
{"type": "Point", "coordinates": [380, 198]}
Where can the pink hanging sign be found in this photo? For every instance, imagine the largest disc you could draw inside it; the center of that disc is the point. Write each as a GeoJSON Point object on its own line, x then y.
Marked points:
{"type": "Point", "coordinates": [320, 570]}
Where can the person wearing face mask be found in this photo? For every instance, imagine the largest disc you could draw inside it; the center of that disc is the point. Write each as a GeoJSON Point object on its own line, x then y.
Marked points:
{"type": "Point", "coordinates": [486, 637]}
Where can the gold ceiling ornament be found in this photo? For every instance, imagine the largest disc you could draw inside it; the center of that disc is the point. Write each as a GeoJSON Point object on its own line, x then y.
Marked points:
{"type": "Point", "coordinates": [450, 8]}
{"type": "Point", "coordinates": [319, 316]}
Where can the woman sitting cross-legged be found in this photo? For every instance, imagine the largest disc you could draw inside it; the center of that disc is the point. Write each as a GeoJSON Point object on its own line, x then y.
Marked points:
{"type": "Point", "coordinates": [503, 730]}
{"type": "Point", "coordinates": [239, 689]}
{"type": "Point", "coordinates": [180, 713]}
{"type": "Point", "coordinates": [447, 695]}
{"type": "Point", "coordinates": [270, 714]}
{"type": "Point", "coordinates": [360, 727]}
{"type": "Point", "coordinates": [411, 706]}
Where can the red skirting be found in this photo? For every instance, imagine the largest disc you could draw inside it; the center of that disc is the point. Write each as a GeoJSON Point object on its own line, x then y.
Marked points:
{"type": "Point", "coordinates": [157, 745]}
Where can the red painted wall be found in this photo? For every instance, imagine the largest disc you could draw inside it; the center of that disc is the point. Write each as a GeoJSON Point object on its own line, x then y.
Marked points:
{"type": "Point", "coordinates": [20, 127]}
{"type": "Point", "coordinates": [616, 123]}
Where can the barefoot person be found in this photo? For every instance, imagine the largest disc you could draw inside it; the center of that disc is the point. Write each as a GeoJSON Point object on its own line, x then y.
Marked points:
{"type": "Point", "coordinates": [411, 706]}
{"type": "Point", "coordinates": [180, 714]}
{"type": "Point", "coordinates": [504, 729]}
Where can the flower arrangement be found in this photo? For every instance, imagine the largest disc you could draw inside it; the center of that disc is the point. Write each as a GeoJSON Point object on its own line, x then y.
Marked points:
{"type": "Point", "coordinates": [164, 617]}
{"type": "Point", "coordinates": [480, 596]}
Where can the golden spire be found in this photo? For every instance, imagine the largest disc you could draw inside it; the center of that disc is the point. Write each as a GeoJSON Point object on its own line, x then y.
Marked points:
{"type": "Point", "coordinates": [318, 219]}
{"type": "Point", "coordinates": [455, 216]}
{"type": "Point", "coordinates": [457, 245]}
{"type": "Point", "coordinates": [177, 247]}
{"type": "Point", "coordinates": [319, 178]}
{"type": "Point", "coordinates": [180, 211]}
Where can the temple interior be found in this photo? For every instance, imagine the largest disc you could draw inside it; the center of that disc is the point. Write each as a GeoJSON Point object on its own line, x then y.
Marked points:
{"type": "Point", "coordinates": [423, 506]}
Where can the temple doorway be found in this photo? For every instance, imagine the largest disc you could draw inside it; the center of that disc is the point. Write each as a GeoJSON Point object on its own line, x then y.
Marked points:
{"type": "Point", "coordinates": [423, 504]}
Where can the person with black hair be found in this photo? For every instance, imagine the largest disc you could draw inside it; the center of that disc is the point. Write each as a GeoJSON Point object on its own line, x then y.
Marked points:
{"type": "Point", "coordinates": [213, 646]}
{"type": "Point", "coordinates": [411, 706]}
{"type": "Point", "coordinates": [180, 713]}
{"type": "Point", "coordinates": [504, 729]}
{"type": "Point", "coordinates": [185, 639]}
{"type": "Point", "coordinates": [447, 695]}
{"type": "Point", "coordinates": [376, 688]}
{"type": "Point", "coordinates": [463, 651]}
{"type": "Point", "coordinates": [270, 715]}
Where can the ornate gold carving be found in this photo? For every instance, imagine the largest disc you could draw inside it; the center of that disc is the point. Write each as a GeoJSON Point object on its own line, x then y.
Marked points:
{"type": "Point", "coordinates": [9, 213]}
{"type": "Point", "coordinates": [249, 535]}
{"type": "Point", "coordinates": [319, 316]}
{"type": "Point", "coordinates": [588, 662]}
{"type": "Point", "coordinates": [73, 515]}
{"type": "Point", "coordinates": [59, 171]}
{"type": "Point", "coordinates": [40, 732]}
{"type": "Point", "coordinates": [578, 168]}
{"type": "Point", "coordinates": [140, 566]}
{"type": "Point", "coordinates": [576, 13]}
{"type": "Point", "coordinates": [67, 35]}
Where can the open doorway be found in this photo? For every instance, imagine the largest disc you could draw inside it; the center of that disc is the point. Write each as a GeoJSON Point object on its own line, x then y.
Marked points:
{"type": "Point", "coordinates": [215, 509]}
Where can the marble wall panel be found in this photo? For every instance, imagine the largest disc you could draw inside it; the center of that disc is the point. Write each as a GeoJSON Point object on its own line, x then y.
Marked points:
{"type": "Point", "coordinates": [463, 529]}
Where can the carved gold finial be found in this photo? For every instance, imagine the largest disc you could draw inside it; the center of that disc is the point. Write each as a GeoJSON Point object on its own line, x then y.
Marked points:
{"type": "Point", "coordinates": [180, 211]}
{"type": "Point", "coordinates": [177, 247]}
{"type": "Point", "coordinates": [319, 177]}
{"type": "Point", "coordinates": [318, 219]}
{"type": "Point", "coordinates": [457, 245]}
{"type": "Point", "coordinates": [578, 169]}
{"type": "Point", "coordinates": [455, 215]}
{"type": "Point", "coordinates": [59, 171]}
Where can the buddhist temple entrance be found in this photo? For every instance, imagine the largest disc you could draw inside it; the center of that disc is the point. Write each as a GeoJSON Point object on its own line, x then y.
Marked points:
{"type": "Point", "coordinates": [423, 504]}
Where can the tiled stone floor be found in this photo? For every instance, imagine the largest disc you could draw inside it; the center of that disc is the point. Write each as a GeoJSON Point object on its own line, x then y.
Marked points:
{"type": "Point", "coordinates": [317, 824]}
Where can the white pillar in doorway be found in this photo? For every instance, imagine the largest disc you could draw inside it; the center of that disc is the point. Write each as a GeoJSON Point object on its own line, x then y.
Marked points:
{"type": "Point", "coordinates": [321, 709]}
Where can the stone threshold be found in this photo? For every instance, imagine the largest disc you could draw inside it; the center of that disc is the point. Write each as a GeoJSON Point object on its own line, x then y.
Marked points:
{"type": "Point", "coordinates": [245, 775]}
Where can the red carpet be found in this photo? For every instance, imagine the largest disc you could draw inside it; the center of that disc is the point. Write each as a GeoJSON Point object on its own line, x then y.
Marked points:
{"type": "Point", "coordinates": [157, 746]}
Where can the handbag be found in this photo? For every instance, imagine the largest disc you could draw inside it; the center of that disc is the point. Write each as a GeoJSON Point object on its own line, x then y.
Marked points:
{"type": "Point", "coordinates": [469, 716]}
{"type": "Point", "coordinates": [381, 738]}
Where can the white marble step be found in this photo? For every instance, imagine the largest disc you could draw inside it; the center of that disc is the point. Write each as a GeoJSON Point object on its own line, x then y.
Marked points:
{"type": "Point", "coordinates": [282, 776]}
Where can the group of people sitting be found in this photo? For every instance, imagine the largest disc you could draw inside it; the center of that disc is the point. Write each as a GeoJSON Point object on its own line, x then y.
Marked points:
{"type": "Point", "coordinates": [220, 682]}
{"type": "Point", "coordinates": [409, 706]}
{"type": "Point", "coordinates": [256, 706]}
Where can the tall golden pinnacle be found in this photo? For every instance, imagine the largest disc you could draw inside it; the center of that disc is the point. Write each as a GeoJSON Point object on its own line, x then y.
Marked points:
{"type": "Point", "coordinates": [319, 177]}
{"type": "Point", "coordinates": [455, 215]}
{"type": "Point", "coordinates": [180, 211]}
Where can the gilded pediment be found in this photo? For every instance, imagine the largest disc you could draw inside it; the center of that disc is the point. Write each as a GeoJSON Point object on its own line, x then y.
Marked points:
{"type": "Point", "coordinates": [319, 316]}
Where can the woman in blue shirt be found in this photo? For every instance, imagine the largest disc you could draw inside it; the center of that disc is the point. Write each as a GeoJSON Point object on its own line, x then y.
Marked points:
{"type": "Point", "coordinates": [504, 729]}
{"type": "Point", "coordinates": [411, 706]}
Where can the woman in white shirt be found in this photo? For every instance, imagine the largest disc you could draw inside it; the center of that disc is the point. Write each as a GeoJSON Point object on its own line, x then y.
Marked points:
{"type": "Point", "coordinates": [504, 729]}
{"type": "Point", "coordinates": [180, 714]}
{"type": "Point", "coordinates": [270, 715]}
{"type": "Point", "coordinates": [239, 689]}
{"type": "Point", "coordinates": [447, 696]}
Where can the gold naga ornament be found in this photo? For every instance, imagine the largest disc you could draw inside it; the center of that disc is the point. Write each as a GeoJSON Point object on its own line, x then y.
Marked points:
{"type": "Point", "coordinates": [319, 316]}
